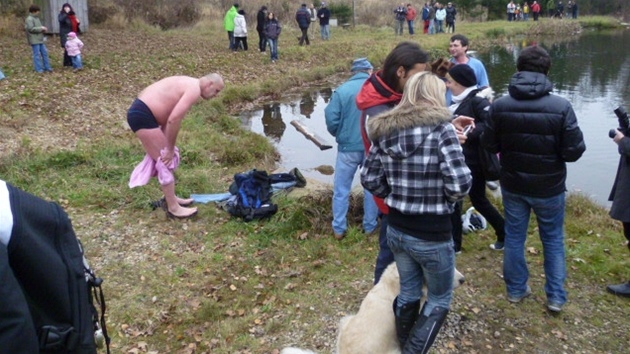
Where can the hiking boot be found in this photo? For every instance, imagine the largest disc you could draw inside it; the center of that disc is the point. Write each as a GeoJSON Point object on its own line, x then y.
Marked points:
{"type": "Point", "coordinates": [340, 237]}
{"type": "Point", "coordinates": [516, 299]}
{"type": "Point", "coordinates": [620, 289]}
{"type": "Point", "coordinates": [554, 306]}
{"type": "Point", "coordinates": [497, 246]}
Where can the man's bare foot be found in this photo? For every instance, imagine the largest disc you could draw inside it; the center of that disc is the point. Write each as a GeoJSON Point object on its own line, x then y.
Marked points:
{"type": "Point", "coordinates": [181, 213]}
{"type": "Point", "coordinates": [184, 202]}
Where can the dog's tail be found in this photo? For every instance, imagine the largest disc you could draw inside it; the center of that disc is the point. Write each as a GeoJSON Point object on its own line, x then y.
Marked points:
{"type": "Point", "coordinates": [292, 350]}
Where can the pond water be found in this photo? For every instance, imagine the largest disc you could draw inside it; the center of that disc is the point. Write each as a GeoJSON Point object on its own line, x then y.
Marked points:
{"type": "Point", "coordinates": [592, 71]}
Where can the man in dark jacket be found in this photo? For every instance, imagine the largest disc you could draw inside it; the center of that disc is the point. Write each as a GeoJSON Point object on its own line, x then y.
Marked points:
{"type": "Point", "coordinates": [303, 18]}
{"type": "Point", "coordinates": [323, 14]}
{"type": "Point", "coordinates": [261, 19]}
{"type": "Point", "coordinates": [537, 134]}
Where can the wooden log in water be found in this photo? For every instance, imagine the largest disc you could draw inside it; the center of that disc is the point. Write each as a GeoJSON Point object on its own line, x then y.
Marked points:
{"type": "Point", "coordinates": [319, 141]}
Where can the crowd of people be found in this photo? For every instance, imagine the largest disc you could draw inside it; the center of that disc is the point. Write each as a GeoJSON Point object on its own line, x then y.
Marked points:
{"type": "Point", "coordinates": [521, 12]}
{"type": "Point", "coordinates": [69, 29]}
{"type": "Point", "coordinates": [436, 18]}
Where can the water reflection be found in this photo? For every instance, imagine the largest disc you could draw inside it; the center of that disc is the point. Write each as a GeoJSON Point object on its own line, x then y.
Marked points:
{"type": "Point", "coordinates": [592, 71]}
{"type": "Point", "coordinates": [273, 125]}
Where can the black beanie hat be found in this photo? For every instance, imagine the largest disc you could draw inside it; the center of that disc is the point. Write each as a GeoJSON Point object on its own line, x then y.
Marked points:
{"type": "Point", "coordinates": [463, 75]}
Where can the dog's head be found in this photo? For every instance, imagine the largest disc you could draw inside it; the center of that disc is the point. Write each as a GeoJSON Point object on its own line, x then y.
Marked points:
{"type": "Point", "coordinates": [441, 66]}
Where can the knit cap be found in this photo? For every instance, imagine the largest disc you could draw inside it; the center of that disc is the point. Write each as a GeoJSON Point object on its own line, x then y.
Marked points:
{"type": "Point", "coordinates": [72, 34]}
{"type": "Point", "coordinates": [463, 75]}
{"type": "Point", "coordinates": [361, 64]}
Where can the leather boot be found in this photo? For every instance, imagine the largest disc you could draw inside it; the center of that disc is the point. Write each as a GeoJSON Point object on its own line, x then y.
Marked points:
{"type": "Point", "coordinates": [424, 332]}
{"type": "Point", "coordinates": [406, 317]}
{"type": "Point", "coordinates": [620, 289]}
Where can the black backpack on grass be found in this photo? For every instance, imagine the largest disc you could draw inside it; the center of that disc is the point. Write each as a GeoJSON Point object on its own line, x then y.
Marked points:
{"type": "Point", "coordinates": [253, 196]}
{"type": "Point", "coordinates": [55, 280]}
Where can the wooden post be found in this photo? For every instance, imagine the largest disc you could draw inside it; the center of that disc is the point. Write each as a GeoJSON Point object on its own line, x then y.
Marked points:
{"type": "Point", "coordinates": [319, 141]}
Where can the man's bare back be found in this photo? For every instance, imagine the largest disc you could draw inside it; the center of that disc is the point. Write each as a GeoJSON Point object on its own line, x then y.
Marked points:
{"type": "Point", "coordinates": [163, 96]}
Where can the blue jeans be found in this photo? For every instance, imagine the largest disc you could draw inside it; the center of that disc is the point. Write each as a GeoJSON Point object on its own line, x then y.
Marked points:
{"type": "Point", "coordinates": [550, 216]}
{"type": "Point", "coordinates": [419, 260]}
{"type": "Point", "coordinates": [432, 27]}
{"type": "Point", "coordinates": [273, 47]}
{"type": "Point", "coordinates": [345, 168]}
{"type": "Point", "coordinates": [77, 63]}
{"type": "Point", "coordinates": [439, 26]}
{"type": "Point", "coordinates": [40, 58]}
{"type": "Point", "coordinates": [410, 24]}
{"type": "Point", "coordinates": [325, 31]}
{"type": "Point", "coordinates": [400, 25]}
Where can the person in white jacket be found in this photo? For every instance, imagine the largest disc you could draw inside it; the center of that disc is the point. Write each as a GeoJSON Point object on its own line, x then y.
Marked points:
{"type": "Point", "coordinates": [240, 31]}
{"type": "Point", "coordinates": [440, 15]}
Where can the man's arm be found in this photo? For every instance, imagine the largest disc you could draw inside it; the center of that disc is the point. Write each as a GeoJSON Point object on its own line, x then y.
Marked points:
{"type": "Point", "coordinates": [573, 145]}
{"type": "Point", "coordinates": [174, 122]}
{"type": "Point", "coordinates": [333, 114]}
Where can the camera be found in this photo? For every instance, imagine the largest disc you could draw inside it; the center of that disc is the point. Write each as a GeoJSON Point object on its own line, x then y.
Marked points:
{"type": "Point", "coordinates": [624, 124]}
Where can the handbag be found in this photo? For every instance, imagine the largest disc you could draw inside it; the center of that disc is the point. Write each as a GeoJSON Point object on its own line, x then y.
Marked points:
{"type": "Point", "coordinates": [490, 164]}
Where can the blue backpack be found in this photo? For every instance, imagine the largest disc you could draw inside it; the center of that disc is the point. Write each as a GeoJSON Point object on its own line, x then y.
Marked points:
{"type": "Point", "coordinates": [253, 196]}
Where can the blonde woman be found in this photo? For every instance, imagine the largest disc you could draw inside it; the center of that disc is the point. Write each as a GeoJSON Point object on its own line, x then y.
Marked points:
{"type": "Point", "coordinates": [416, 164]}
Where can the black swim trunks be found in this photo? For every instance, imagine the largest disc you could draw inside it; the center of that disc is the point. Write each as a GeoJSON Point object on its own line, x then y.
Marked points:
{"type": "Point", "coordinates": [139, 116]}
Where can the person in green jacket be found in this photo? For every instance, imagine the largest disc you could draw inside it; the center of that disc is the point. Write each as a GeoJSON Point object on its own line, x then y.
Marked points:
{"type": "Point", "coordinates": [229, 23]}
{"type": "Point", "coordinates": [551, 8]}
{"type": "Point", "coordinates": [35, 33]}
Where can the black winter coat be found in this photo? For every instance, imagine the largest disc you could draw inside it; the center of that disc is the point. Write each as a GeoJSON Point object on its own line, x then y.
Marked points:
{"type": "Point", "coordinates": [620, 193]}
{"type": "Point", "coordinates": [303, 17]}
{"type": "Point", "coordinates": [261, 20]}
{"type": "Point", "coordinates": [536, 133]}
{"type": "Point", "coordinates": [475, 107]}
{"type": "Point", "coordinates": [65, 27]}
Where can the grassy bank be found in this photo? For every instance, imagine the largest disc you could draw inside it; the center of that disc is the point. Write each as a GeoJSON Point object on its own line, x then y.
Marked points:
{"type": "Point", "coordinates": [216, 285]}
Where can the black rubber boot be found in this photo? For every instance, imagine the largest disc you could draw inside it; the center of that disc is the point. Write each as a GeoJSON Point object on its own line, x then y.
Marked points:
{"type": "Point", "coordinates": [620, 289]}
{"type": "Point", "coordinates": [406, 317]}
{"type": "Point", "coordinates": [424, 332]}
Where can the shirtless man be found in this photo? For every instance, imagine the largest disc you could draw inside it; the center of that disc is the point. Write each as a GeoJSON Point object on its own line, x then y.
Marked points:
{"type": "Point", "coordinates": [156, 117]}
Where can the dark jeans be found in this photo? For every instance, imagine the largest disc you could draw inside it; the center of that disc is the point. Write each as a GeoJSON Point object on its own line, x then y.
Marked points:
{"type": "Point", "coordinates": [456, 222]}
{"type": "Point", "coordinates": [626, 232]}
{"type": "Point", "coordinates": [536, 16]}
{"type": "Point", "coordinates": [262, 41]}
{"type": "Point", "coordinates": [385, 255]}
{"type": "Point", "coordinates": [304, 37]}
{"type": "Point", "coordinates": [481, 203]}
{"type": "Point", "coordinates": [67, 61]}
{"type": "Point", "coordinates": [231, 38]}
{"type": "Point", "coordinates": [240, 42]}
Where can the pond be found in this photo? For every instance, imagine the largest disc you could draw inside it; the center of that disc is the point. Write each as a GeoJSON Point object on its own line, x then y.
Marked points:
{"type": "Point", "coordinates": [592, 71]}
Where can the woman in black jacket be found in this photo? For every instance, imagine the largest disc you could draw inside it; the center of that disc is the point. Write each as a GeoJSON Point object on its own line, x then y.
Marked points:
{"type": "Point", "coordinates": [65, 27]}
{"type": "Point", "coordinates": [261, 20]}
{"type": "Point", "coordinates": [469, 101]}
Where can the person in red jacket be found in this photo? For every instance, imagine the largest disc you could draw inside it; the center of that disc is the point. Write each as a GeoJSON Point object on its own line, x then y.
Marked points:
{"type": "Point", "coordinates": [411, 17]}
{"type": "Point", "coordinates": [536, 10]}
{"type": "Point", "coordinates": [380, 93]}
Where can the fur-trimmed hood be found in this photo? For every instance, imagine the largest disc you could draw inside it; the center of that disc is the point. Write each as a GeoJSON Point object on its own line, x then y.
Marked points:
{"type": "Point", "coordinates": [399, 133]}
{"type": "Point", "coordinates": [412, 117]}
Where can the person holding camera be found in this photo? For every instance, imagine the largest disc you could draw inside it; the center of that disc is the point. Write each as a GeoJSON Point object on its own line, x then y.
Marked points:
{"type": "Point", "coordinates": [620, 197]}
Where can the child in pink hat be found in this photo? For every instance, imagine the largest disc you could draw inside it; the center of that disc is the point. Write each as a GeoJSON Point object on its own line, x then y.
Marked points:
{"type": "Point", "coordinates": [73, 47]}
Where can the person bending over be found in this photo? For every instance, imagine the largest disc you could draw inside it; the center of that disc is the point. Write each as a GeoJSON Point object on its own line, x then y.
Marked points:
{"type": "Point", "coordinates": [156, 118]}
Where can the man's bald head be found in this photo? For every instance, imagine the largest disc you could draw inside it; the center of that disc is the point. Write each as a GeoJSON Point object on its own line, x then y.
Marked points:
{"type": "Point", "coordinates": [211, 85]}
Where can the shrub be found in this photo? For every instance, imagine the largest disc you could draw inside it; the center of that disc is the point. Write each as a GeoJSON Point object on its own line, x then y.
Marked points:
{"type": "Point", "coordinates": [164, 14]}
{"type": "Point", "coordinates": [342, 12]}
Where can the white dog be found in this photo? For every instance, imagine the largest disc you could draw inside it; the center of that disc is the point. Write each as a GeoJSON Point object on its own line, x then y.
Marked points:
{"type": "Point", "coordinates": [373, 330]}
